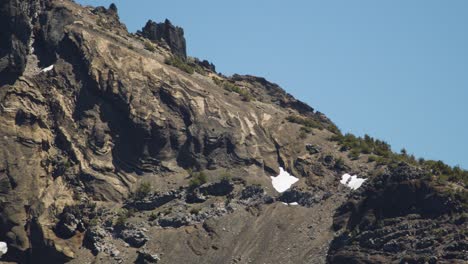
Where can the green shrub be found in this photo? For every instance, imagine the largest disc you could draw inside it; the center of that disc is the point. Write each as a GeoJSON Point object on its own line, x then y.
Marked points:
{"type": "Point", "coordinates": [179, 63]}
{"type": "Point", "coordinates": [226, 176]}
{"type": "Point", "coordinates": [93, 222]}
{"type": "Point", "coordinates": [305, 121]}
{"type": "Point", "coordinates": [217, 81]}
{"type": "Point", "coordinates": [153, 216]}
{"type": "Point", "coordinates": [372, 158]}
{"type": "Point", "coordinates": [195, 210]}
{"type": "Point", "coordinates": [246, 96]}
{"type": "Point", "coordinates": [339, 164]}
{"type": "Point", "coordinates": [354, 154]}
{"type": "Point", "coordinates": [122, 217]}
{"type": "Point", "coordinates": [197, 179]}
{"type": "Point", "coordinates": [306, 129]}
{"type": "Point", "coordinates": [302, 135]}
{"type": "Point", "coordinates": [149, 46]}
{"type": "Point", "coordinates": [228, 86]}
{"type": "Point", "coordinates": [142, 191]}
{"type": "Point", "coordinates": [334, 129]}
{"type": "Point", "coordinates": [381, 152]}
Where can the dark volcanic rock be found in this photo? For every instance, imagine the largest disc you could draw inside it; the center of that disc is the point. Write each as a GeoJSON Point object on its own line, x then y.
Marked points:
{"type": "Point", "coordinates": [175, 220]}
{"type": "Point", "coordinates": [304, 198]}
{"type": "Point", "coordinates": [397, 215]}
{"type": "Point", "coordinates": [254, 195]}
{"type": "Point", "coordinates": [15, 34]}
{"type": "Point", "coordinates": [172, 35]}
{"type": "Point", "coordinates": [154, 201]}
{"type": "Point", "coordinates": [220, 188]}
{"type": "Point", "coordinates": [108, 115]}
{"type": "Point", "coordinates": [67, 225]}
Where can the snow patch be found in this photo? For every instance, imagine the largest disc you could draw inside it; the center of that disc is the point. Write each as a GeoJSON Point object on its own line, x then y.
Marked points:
{"type": "Point", "coordinates": [352, 182]}
{"type": "Point", "coordinates": [46, 69]}
{"type": "Point", "coordinates": [3, 248]}
{"type": "Point", "coordinates": [283, 181]}
{"type": "Point", "coordinates": [293, 203]}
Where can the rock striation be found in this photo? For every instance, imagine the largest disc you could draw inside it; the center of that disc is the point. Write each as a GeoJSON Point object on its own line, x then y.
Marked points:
{"type": "Point", "coordinates": [112, 154]}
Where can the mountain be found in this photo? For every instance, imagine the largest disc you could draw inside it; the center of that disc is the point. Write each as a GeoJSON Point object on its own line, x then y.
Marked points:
{"type": "Point", "coordinates": [117, 147]}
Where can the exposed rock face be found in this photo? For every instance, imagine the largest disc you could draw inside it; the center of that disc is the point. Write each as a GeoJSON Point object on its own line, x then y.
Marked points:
{"type": "Point", "coordinates": [89, 115]}
{"type": "Point", "coordinates": [16, 19]}
{"type": "Point", "coordinates": [172, 35]}
{"type": "Point", "coordinates": [399, 217]}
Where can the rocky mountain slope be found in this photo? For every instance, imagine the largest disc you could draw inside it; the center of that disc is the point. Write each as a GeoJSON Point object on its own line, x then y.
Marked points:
{"type": "Point", "coordinates": [120, 148]}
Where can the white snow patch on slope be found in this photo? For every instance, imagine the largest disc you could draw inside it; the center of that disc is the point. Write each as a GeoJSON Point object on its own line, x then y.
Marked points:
{"type": "Point", "coordinates": [352, 182]}
{"type": "Point", "coordinates": [3, 248]}
{"type": "Point", "coordinates": [283, 181]}
{"type": "Point", "coordinates": [293, 203]}
{"type": "Point", "coordinates": [46, 69]}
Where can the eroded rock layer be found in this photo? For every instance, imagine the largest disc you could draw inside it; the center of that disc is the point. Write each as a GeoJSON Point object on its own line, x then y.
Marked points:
{"type": "Point", "coordinates": [114, 153]}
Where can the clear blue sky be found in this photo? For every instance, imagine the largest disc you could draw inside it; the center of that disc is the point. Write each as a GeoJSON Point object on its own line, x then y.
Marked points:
{"type": "Point", "coordinates": [396, 70]}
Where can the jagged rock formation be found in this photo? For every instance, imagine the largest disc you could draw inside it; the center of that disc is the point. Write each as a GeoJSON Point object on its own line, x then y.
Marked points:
{"type": "Point", "coordinates": [110, 153]}
{"type": "Point", "coordinates": [400, 217]}
{"type": "Point", "coordinates": [173, 36]}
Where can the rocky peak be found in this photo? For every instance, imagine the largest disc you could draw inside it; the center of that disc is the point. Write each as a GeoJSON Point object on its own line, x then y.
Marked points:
{"type": "Point", "coordinates": [172, 35]}
{"type": "Point", "coordinates": [111, 148]}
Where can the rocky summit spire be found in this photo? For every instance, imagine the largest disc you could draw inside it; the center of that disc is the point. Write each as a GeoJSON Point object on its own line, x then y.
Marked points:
{"type": "Point", "coordinates": [172, 35]}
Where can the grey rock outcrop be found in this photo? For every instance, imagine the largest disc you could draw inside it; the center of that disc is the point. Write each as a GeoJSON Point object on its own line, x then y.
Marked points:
{"type": "Point", "coordinates": [135, 237]}
{"type": "Point", "coordinates": [172, 35]}
{"type": "Point", "coordinates": [146, 257]}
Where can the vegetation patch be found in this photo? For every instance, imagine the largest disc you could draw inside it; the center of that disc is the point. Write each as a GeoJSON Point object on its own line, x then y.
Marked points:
{"type": "Point", "coordinates": [188, 67]}
{"type": "Point", "coordinates": [179, 63]}
{"type": "Point", "coordinates": [142, 191]}
{"type": "Point", "coordinates": [381, 153]}
{"type": "Point", "coordinates": [149, 46]}
{"type": "Point", "coordinates": [307, 122]}
{"type": "Point", "coordinates": [228, 86]}
{"type": "Point", "coordinates": [197, 179]}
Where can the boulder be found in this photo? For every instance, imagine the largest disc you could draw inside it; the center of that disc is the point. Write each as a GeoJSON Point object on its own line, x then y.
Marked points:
{"type": "Point", "coordinates": [146, 257]}
{"type": "Point", "coordinates": [135, 237]}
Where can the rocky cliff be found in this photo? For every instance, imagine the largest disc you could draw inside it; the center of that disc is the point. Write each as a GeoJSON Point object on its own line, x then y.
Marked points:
{"type": "Point", "coordinates": [118, 148]}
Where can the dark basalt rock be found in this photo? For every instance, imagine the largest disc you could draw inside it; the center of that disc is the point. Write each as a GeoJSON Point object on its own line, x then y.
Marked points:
{"type": "Point", "coordinates": [67, 225]}
{"type": "Point", "coordinates": [175, 220]}
{"type": "Point", "coordinates": [254, 195]}
{"type": "Point", "coordinates": [172, 35]}
{"type": "Point", "coordinates": [109, 116]}
{"type": "Point", "coordinates": [304, 198]}
{"type": "Point", "coordinates": [396, 215]}
{"type": "Point", "coordinates": [312, 149]}
{"type": "Point", "coordinates": [153, 201]}
{"type": "Point", "coordinates": [16, 29]}
{"type": "Point", "coordinates": [220, 188]}
{"type": "Point", "coordinates": [205, 64]}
